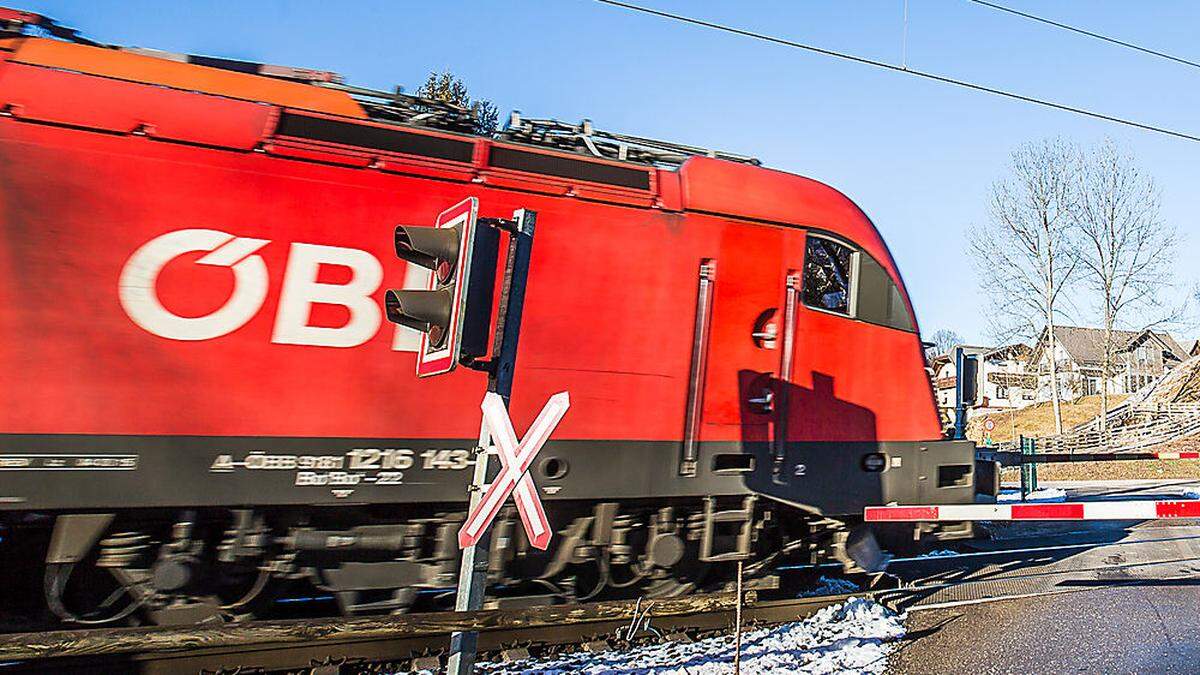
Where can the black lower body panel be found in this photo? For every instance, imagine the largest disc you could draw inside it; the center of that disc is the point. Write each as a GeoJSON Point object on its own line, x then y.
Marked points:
{"type": "Point", "coordinates": [70, 472]}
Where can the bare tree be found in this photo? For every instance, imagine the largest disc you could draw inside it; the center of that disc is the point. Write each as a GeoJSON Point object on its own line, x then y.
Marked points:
{"type": "Point", "coordinates": [1125, 251]}
{"type": "Point", "coordinates": [943, 340]}
{"type": "Point", "coordinates": [1023, 254]}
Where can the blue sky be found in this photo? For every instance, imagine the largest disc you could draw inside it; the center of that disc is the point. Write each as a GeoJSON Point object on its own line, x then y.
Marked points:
{"type": "Point", "coordinates": [918, 156]}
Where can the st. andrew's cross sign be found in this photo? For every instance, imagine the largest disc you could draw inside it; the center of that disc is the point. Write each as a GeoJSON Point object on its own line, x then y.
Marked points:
{"type": "Point", "coordinates": [515, 460]}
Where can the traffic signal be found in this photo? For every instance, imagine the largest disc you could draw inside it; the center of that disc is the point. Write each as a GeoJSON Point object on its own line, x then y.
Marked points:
{"type": "Point", "coordinates": [968, 378]}
{"type": "Point", "coordinates": [454, 312]}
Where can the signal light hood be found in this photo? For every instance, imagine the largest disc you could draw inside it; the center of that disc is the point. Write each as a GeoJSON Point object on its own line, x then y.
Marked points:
{"type": "Point", "coordinates": [427, 246]}
{"type": "Point", "coordinates": [426, 311]}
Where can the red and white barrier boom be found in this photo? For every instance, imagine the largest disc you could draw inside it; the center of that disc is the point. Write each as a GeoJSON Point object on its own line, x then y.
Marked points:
{"type": "Point", "coordinates": [1007, 458]}
{"type": "Point", "coordinates": [1132, 510]}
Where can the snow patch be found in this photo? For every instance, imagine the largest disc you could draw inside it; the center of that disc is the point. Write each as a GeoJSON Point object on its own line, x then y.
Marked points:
{"type": "Point", "coordinates": [854, 637]}
{"type": "Point", "coordinates": [1039, 495]}
{"type": "Point", "coordinates": [938, 553]}
{"type": "Point", "coordinates": [830, 586]}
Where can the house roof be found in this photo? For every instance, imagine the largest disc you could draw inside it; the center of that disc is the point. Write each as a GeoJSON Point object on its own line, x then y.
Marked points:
{"type": "Point", "coordinates": [1086, 345]}
{"type": "Point", "coordinates": [1018, 350]}
{"type": "Point", "coordinates": [1192, 347]}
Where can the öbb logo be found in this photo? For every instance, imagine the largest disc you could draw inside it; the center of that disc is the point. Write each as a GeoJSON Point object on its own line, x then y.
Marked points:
{"type": "Point", "coordinates": [138, 292]}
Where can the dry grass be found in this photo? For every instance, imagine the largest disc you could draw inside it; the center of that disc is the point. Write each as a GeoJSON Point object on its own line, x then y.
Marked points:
{"type": "Point", "coordinates": [1038, 420]}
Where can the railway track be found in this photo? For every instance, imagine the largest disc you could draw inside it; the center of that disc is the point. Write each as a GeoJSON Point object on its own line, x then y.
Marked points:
{"type": "Point", "coordinates": [399, 642]}
{"type": "Point", "coordinates": [417, 641]}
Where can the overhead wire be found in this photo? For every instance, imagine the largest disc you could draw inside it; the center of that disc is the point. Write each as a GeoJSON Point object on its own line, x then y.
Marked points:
{"type": "Point", "coordinates": [903, 69]}
{"type": "Point", "coordinates": [1088, 33]}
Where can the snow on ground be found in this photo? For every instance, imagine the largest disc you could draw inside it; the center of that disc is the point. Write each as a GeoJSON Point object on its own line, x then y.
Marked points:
{"type": "Point", "coordinates": [938, 553]}
{"type": "Point", "coordinates": [1039, 495]}
{"type": "Point", "coordinates": [830, 586]}
{"type": "Point", "coordinates": [851, 638]}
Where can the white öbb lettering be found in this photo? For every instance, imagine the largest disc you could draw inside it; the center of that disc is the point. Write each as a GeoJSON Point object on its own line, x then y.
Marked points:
{"type": "Point", "coordinates": [300, 291]}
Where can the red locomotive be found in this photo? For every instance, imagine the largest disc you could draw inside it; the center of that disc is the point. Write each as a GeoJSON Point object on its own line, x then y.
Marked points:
{"type": "Point", "coordinates": [202, 404]}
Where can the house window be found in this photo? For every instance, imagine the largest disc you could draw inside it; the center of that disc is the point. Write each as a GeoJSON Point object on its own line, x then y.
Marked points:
{"type": "Point", "coordinates": [1089, 386]}
{"type": "Point", "coordinates": [827, 275]}
{"type": "Point", "coordinates": [1001, 392]}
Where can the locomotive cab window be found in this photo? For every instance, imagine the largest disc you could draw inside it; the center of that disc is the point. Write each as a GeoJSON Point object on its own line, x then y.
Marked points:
{"type": "Point", "coordinates": [840, 279]}
{"type": "Point", "coordinates": [879, 300]}
{"type": "Point", "coordinates": [828, 271]}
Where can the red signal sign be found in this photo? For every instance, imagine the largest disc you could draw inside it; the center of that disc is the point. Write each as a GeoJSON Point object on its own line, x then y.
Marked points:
{"type": "Point", "coordinates": [435, 359]}
{"type": "Point", "coordinates": [453, 311]}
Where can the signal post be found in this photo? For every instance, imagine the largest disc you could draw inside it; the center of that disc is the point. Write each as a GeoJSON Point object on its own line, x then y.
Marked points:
{"type": "Point", "coordinates": [453, 315]}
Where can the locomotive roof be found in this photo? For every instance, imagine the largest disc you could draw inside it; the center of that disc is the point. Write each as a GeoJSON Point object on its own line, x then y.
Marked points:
{"type": "Point", "coordinates": [316, 106]}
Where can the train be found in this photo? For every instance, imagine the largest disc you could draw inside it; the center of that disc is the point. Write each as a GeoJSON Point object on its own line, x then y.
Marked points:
{"type": "Point", "coordinates": [205, 416]}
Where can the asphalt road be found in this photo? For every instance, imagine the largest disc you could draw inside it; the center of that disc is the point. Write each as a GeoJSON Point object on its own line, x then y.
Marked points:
{"type": "Point", "coordinates": [1127, 601]}
{"type": "Point", "coordinates": [1129, 629]}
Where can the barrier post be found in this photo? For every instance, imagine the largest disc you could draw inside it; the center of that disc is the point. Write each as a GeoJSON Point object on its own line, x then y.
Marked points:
{"type": "Point", "coordinates": [1028, 466]}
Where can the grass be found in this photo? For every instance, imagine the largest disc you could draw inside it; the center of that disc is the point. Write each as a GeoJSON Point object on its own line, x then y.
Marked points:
{"type": "Point", "coordinates": [1038, 419]}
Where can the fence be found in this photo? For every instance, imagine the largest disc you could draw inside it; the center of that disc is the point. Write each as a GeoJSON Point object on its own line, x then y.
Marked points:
{"type": "Point", "coordinates": [1160, 423]}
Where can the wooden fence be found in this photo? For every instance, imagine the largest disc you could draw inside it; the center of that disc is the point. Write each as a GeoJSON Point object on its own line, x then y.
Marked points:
{"type": "Point", "coordinates": [1132, 429]}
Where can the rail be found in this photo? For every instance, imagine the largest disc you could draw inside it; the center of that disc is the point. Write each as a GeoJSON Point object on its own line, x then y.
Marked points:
{"type": "Point", "coordinates": [281, 645]}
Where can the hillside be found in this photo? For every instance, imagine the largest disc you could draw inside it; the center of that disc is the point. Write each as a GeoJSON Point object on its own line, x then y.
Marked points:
{"type": "Point", "coordinates": [1180, 386]}
{"type": "Point", "coordinates": [1038, 420]}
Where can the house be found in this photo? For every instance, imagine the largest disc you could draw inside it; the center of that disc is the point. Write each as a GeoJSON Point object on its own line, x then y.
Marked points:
{"type": "Point", "coordinates": [1139, 358]}
{"type": "Point", "coordinates": [941, 373]}
{"type": "Point", "coordinates": [1005, 381]}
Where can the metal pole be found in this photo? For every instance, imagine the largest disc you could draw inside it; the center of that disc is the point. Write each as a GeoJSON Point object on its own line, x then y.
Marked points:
{"type": "Point", "coordinates": [960, 408]}
{"type": "Point", "coordinates": [1033, 481]}
{"type": "Point", "coordinates": [1024, 468]}
{"type": "Point", "coordinates": [472, 573]}
{"type": "Point", "coordinates": [737, 625]}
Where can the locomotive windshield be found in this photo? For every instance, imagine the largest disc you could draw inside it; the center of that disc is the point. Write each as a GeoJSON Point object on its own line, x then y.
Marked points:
{"type": "Point", "coordinates": [840, 279]}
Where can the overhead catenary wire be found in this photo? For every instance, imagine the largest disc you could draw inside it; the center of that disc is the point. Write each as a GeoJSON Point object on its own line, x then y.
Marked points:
{"type": "Point", "coordinates": [900, 69]}
{"type": "Point", "coordinates": [1088, 33]}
